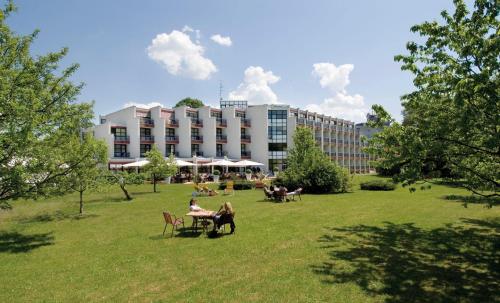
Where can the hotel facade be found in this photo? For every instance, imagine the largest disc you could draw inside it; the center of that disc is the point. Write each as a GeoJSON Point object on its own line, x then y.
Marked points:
{"type": "Point", "coordinates": [261, 133]}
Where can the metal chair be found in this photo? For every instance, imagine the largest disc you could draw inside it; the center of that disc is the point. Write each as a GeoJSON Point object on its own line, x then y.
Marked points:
{"type": "Point", "coordinates": [174, 222]}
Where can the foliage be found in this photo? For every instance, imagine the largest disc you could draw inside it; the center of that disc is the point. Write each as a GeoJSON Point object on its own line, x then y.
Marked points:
{"type": "Point", "coordinates": [39, 119]}
{"type": "Point", "coordinates": [190, 102]}
{"type": "Point", "coordinates": [308, 167]}
{"type": "Point", "coordinates": [377, 185]}
{"type": "Point", "coordinates": [216, 172]}
{"type": "Point", "coordinates": [452, 118]}
{"type": "Point", "coordinates": [88, 157]}
{"type": "Point", "coordinates": [158, 167]}
{"type": "Point", "coordinates": [248, 171]}
{"type": "Point", "coordinates": [123, 178]}
{"type": "Point", "coordinates": [238, 185]}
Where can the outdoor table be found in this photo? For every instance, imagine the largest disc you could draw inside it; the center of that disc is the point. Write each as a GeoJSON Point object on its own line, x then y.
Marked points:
{"type": "Point", "coordinates": [203, 216]}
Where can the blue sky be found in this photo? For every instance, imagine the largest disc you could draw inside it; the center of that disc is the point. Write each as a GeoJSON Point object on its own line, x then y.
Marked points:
{"type": "Point", "coordinates": [330, 56]}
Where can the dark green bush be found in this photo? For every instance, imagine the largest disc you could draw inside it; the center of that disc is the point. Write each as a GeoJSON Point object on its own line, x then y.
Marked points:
{"type": "Point", "coordinates": [378, 185]}
{"type": "Point", "coordinates": [239, 185]}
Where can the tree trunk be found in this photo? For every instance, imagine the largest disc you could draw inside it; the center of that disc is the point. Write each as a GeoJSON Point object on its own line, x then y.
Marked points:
{"type": "Point", "coordinates": [81, 202]}
{"type": "Point", "coordinates": [154, 183]}
{"type": "Point", "coordinates": [125, 192]}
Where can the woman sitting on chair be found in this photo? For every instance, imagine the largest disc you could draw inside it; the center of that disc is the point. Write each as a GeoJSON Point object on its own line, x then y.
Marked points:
{"type": "Point", "coordinates": [225, 215]}
{"type": "Point", "coordinates": [193, 206]}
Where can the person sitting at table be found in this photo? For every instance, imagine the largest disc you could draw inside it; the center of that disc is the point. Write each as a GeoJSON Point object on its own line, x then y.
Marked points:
{"type": "Point", "coordinates": [193, 206]}
{"type": "Point", "coordinates": [225, 215]}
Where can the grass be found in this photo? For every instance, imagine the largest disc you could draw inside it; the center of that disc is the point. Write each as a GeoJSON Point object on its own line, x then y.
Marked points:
{"type": "Point", "coordinates": [358, 247]}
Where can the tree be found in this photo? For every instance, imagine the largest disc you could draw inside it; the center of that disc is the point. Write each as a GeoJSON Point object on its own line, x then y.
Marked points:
{"type": "Point", "coordinates": [38, 117]}
{"type": "Point", "coordinates": [87, 174]}
{"type": "Point", "coordinates": [191, 102]}
{"type": "Point", "coordinates": [308, 167]}
{"type": "Point", "coordinates": [123, 179]}
{"type": "Point", "coordinates": [452, 117]}
{"type": "Point", "coordinates": [158, 167]}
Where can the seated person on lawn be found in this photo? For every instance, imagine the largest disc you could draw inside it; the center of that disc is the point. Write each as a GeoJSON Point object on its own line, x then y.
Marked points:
{"type": "Point", "coordinates": [225, 215]}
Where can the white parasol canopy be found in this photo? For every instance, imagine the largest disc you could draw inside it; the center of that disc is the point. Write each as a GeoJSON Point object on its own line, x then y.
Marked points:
{"type": "Point", "coordinates": [245, 163]}
{"type": "Point", "coordinates": [136, 164]}
{"type": "Point", "coordinates": [180, 162]}
{"type": "Point", "coordinates": [221, 163]}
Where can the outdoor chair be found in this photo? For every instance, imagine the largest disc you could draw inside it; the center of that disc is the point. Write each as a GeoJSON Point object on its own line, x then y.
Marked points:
{"type": "Point", "coordinates": [269, 194]}
{"type": "Point", "coordinates": [226, 219]}
{"type": "Point", "coordinates": [229, 188]}
{"type": "Point", "coordinates": [281, 194]}
{"type": "Point", "coordinates": [173, 221]}
{"type": "Point", "coordinates": [296, 192]}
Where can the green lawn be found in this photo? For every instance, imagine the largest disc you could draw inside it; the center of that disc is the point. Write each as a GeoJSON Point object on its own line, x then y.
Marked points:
{"type": "Point", "coordinates": [357, 247]}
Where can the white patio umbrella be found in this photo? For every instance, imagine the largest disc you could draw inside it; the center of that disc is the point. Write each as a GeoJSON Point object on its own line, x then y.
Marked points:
{"type": "Point", "coordinates": [221, 163]}
{"type": "Point", "coordinates": [180, 163]}
{"type": "Point", "coordinates": [245, 163]}
{"type": "Point", "coordinates": [136, 164]}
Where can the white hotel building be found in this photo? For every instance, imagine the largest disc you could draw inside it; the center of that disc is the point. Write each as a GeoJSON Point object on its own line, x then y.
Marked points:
{"type": "Point", "coordinates": [262, 133]}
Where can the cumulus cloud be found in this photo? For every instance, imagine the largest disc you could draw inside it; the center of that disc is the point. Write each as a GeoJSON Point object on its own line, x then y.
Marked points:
{"type": "Point", "coordinates": [143, 105]}
{"type": "Point", "coordinates": [224, 41]}
{"type": "Point", "coordinates": [180, 56]}
{"type": "Point", "coordinates": [255, 87]}
{"type": "Point", "coordinates": [341, 104]}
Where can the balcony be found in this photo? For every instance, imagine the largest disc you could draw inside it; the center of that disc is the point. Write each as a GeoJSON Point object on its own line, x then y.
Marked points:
{"type": "Point", "coordinates": [246, 139]}
{"type": "Point", "coordinates": [220, 154]}
{"type": "Point", "coordinates": [301, 121]}
{"type": "Point", "coordinates": [172, 139]}
{"type": "Point", "coordinates": [121, 155]}
{"type": "Point", "coordinates": [122, 139]}
{"type": "Point", "coordinates": [176, 154]}
{"type": "Point", "coordinates": [221, 123]}
{"type": "Point", "coordinates": [172, 123]}
{"type": "Point", "coordinates": [221, 139]}
{"type": "Point", "coordinates": [147, 139]}
{"type": "Point", "coordinates": [246, 154]}
{"type": "Point", "coordinates": [196, 122]}
{"type": "Point", "coordinates": [197, 153]}
{"type": "Point", "coordinates": [147, 122]}
{"type": "Point", "coordinates": [317, 125]}
{"type": "Point", "coordinates": [196, 139]}
{"type": "Point", "coordinates": [246, 122]}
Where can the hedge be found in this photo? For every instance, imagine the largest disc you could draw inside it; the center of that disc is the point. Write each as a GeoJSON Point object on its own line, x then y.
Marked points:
{"type": "Point", "coordinates": [378, 185]}
{"type": "Point", "coordinates": [238, 185]}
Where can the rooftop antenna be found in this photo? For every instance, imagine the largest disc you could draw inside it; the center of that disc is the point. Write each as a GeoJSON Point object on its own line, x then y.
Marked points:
{"type": "Point", "coordinates": [220, 90]}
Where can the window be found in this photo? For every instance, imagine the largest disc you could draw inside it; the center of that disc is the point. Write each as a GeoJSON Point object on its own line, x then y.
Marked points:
{"type": "Point", "coordinates": [144, 148]}
{"type": "Point", "coordinates": [169, 149]}
{"type": "Point", "coordinates": [195, 149]}
{"type": "Point", "coordinates": [169, 132]}
{"type": "Point", "coordinates": [120, 148]}
{"type": "Point", "coordinates": [243, 147]}
{"type": "Point", "coordinates": [145, 132]}
{"type": "Point", "coordinates": [195, 132]}
{"type": "Point", "coordinates": [119, 131]}
{"type": "Point", "coordinates": [191, 114]}
{"type": "Point", "coordinates": [241, 114]}
{"type": "Point", "coordinates": [218, 132]}
{"type": "Point", "coordinates": [277, 147]}
{"type": "Point", "coordinates": [216, 114]}
{"type": "Point", "coordinates": [219, 151]}
{"type": "Point", "coordinates": [277, 126]}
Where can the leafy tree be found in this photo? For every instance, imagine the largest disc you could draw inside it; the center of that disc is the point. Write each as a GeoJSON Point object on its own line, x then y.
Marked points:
{"type": "Point", "coordinates": [88, 171]}
{"type": "Point", "coordinates": [39, 119]}
{"type": "Point", "coordinates": [453, 115]}
{"type": "Point", "coordinates": [123, 179]}
{"type": "Point", "coordinates": [191, 102]}
{"type": "Point", "coordinates": [308, 167]}
{"type": "Point", "coordinates": [158, 167]}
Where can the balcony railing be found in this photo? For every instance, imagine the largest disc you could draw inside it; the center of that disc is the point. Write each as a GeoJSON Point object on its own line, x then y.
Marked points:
{"type": "Point", "coordinates": [172, 139]}
{"type": "Point", "coordinates": [246, 138]}
{"type": "Point", "coordinates": [246, 122]}
{"type": "Point", "coordinates": [198, 139]}
{"type": "Point", "coordinates": [147, 138]}
{"type": "Point", "coordinates": [301, 121]}
{"type": "Point", "coordinates": [176, 154]}
{"type": "Point", "coordinates": [197, 153]}
{"type": "Point", "coordinates": [246, 154]}
{"type": "Point", "coordinates": [172, 123]}
{"type": "Point", "coordinates": [122, 155]}
{"type": "Point", "coordinates": [221, 138]}
{"type": "Point", "coordinates": [122, 139]}
{"type": "Point", "coordinates": [196, 122]}
{"type": "Point", "coordinates": [221, 123]}
{"type": "Point", "coordinates": [148, 122]}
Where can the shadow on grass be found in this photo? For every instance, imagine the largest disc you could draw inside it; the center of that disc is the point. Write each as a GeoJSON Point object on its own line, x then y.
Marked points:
{"type": "Point", "coordinates": [14, 242]}
{"type": "Point", "coordinates": [57, 216]}
{"type": "Point", "coordinates": [471, 199]}
{"type": "Point", "coordinates": [183, 232]}
{"type": "Point", "coordinates": [404, 263]}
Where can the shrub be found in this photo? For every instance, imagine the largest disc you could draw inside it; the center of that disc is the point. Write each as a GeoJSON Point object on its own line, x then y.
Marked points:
{"type": "Point", "coordinates": [239, 185]}
{"type": "Point", "coordinates": [378, 185]}
{"type": "Point", "coordinates": [248, 171]}
{"type": "Point", "coordinates": [216, 172]}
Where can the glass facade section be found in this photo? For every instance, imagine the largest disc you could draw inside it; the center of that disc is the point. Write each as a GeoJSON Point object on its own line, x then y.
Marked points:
{"type": "Point", "coordinates": [277, 138]}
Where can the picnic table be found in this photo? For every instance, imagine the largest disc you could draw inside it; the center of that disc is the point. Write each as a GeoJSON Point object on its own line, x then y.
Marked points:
{"type": "Point", "coordinates": [202, 216]}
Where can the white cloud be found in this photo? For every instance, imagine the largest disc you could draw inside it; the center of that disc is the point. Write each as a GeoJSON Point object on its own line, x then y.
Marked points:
{"type": "Point", "coordinates": [341, 104]}
{"type": "Point", "coordinates": [180, 56]}
{"type": "Point", "coordinates": [224, 41]}
{"type": "Point", "coordinates": [255, 87]}
{"type": "Point", "coordinates": [143, 105]}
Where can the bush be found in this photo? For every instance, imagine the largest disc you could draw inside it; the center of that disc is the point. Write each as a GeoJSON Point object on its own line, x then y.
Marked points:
{"type": "Point", "coordinates": [378, 185]}
{"type": "Point", "coordinates": [216, 172]}
{"type": "Point", "coordinates": [238, 185]}
{"type": "Point", "coordinates": [248, 171]}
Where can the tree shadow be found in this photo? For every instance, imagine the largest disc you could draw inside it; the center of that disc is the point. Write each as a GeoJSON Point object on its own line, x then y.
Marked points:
{"type": "Point", "coordinates": [473, 199]}
{"type": "Point", "coordinates": [14, 242]}
{"type": "Point", "coordinates": [404, 263]}
{"type": "Point", "coordinates": [57, 216]}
